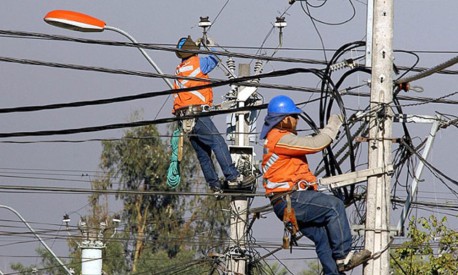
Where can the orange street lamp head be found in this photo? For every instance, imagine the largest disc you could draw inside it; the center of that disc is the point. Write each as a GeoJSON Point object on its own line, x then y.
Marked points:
{"type": "Point", "coordinates": [74, 21]}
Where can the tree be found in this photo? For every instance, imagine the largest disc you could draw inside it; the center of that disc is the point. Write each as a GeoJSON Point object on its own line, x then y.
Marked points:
{"type": "Point", "coordinates": [49, 265]}
{"type": "Point", "coordinates": [113, 253]}
{"type": "Point", "coordinates": [139, 162]}
{"type": "Point", "coordinates": [175, 230]}
{"type": "Point", "coordinates": [432, 249]}
{"type": "Point", "coordinates": [314, 268]}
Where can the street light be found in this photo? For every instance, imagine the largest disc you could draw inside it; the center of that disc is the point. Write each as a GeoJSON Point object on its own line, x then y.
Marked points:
{"type": "Point", "coordinates": [84, 23]}
{"type": "Point", "coordinates": [38, 237]}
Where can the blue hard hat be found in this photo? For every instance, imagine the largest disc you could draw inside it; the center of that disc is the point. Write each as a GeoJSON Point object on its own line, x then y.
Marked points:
{"type": "Point", "coordinates": [282, 104]}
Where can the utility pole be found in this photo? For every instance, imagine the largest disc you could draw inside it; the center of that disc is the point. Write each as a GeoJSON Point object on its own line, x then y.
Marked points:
{"type": "Point", "coordinates": [91, 249]}
{"type": "Point", "coordinates": [239, 204]}
{"type": "Point", "coordinates": [379, 146]}
{"type": "Point", "coordinates": [92, 244]}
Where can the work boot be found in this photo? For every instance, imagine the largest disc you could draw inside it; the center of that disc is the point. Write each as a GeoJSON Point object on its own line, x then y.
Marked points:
{"type": "Point", "coordinates": [242, 182]}
{"type": "Point", "coordinates": [353, 259]}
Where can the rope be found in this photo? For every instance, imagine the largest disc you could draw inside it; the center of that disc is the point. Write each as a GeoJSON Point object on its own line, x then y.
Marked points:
{"type": "Point", "coordinates": [173, 174]}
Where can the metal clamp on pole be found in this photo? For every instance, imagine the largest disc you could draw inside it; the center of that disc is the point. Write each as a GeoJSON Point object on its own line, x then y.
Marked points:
{"type": "Point", "coordinates": [352, 177]}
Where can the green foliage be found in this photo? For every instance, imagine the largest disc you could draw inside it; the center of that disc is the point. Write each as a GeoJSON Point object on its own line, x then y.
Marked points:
{"type": "Point", "coordinates": [314, 268]}
{"type": "Point", "coordinates": [183, 262]}
{"type": "Point", "coordinates": [49, 265]}
{"type": "Point", "coordinates": [138, 161]}
{"type": "Point", "coordinates": [159, 231]}
{"type": "Point", "coordinates": [432, 249]}
{"type": "Point", "coordinates": [269, 269]}
{"type": "Point", "coordinates": [158, 222]}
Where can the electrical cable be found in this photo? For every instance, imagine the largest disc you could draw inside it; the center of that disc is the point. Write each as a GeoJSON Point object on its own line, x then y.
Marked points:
{"type": "Point", "coordinates": [307, 12]}
{"type": "Point", "coordinates": [429, 165]}
{"type": "Point", "coordinates": [324, 22]}
{"type": "Point", "coordinates": [219, 13]}
{"type": "Point", "coordinates": [154, 47]}
{"type": "Point", "coordinates": [167, 47]}
{"type": "Point", "coordinates": [344, 109]}
{"type": "Point", "coordinates": [216, 83]}
{"type": "Point", "coordinates": [327, 86]}
{"type": "Point", "coordinates": [73, 190]}
{"type": "Point", "coordinates": [413, 65]}
{"type": "Point", "coordinates": [428, 72]}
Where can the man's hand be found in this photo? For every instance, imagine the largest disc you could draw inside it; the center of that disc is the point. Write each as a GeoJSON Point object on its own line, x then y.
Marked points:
{"type": "Point", "coordinates": [336, 120]}
{"type": "Point", "coordinates": [208, 43]}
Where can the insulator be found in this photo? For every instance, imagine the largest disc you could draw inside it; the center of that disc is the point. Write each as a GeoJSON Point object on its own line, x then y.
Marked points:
{"type": "Point", "coordinates": [231, 65]}
{"type": "Point", "coordinates": [346, 63]}
{"type": "Point", "coordinates": [204, 22]}
{"type": "Point", "coordinates": [338, 66]}
{"type": "Point", "coordinates": [258, 67]}
{"type": "Point", "coordinates": [280, 23]}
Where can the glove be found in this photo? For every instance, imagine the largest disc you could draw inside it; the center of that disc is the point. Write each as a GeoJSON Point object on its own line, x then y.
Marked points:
{"type": "Point", "coordinates": [341, 118]}
{"type": "Point", "coordinates": [332, 128]}
{"type": "Point", "coordinates": [198, 41]}
{"type": "Point", "coordinates": [336, 120]}
{"type": "Point", "coordinates": [210, 42]}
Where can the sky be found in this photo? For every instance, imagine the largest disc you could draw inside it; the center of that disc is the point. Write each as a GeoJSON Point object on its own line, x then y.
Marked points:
{"type": "Point", "coordinates": [425, 26]}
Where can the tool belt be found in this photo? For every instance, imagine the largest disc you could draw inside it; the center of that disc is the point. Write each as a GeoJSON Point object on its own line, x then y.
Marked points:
{"type": "Point", "coordinates": [192, 110]}
{"type": "Point", "coordinates": [188, 124]}
{"type": "Point", "coordinates": [302, 185]}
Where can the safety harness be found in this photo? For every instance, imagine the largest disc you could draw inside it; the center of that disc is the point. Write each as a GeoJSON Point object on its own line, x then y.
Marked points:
{"type": "Point", "coordinates": [291, 226]}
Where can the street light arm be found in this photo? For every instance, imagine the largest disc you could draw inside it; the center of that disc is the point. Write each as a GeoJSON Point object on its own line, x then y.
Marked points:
{"type": "Point", "coordinates": [158, 70]}
{"type": "Point", "coordinates": [38, 237]}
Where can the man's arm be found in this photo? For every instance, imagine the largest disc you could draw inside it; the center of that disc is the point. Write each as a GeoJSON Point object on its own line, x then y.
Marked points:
{"type": "Point", "coordinates": [208, 63]}
{"type": "Point", "coordinates": [294, 145]}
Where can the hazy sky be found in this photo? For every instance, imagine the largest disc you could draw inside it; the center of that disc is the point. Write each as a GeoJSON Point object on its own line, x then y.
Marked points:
{"type": "Point", "coordinates": [420, 25]}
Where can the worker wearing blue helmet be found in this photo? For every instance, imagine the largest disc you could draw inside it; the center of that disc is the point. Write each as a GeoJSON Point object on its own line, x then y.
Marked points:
{"type": "Point", "coordinates": [292, 189]}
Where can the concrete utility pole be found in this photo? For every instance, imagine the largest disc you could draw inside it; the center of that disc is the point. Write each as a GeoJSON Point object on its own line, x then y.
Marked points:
{"type": "Point", "coordinates": [239, 204]}
{"type": "Point", "coordinates": [91, 249]}
{"type": "Point", "coordinates": [378, 189]}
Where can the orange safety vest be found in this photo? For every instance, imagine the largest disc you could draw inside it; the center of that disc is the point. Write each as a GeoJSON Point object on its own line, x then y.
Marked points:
{"type": "Point", "coordinates": [191, 68]}
{"type": "Point", "coordinates": [282, 172]}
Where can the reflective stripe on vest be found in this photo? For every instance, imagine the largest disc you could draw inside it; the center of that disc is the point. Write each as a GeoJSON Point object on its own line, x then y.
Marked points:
{"type": "Point", "coordinates": [270, 162]}
{"type": "Point", "coordinates": [272, 185]}
{"type": "Point", "coordinates": [182, 83]}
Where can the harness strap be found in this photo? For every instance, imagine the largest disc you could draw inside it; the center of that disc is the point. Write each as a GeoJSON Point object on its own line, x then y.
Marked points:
{"type": "Point", "coordinates": [290, 222]}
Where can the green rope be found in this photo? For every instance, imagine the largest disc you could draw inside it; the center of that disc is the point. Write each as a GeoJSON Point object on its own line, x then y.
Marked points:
{"type": "Point", "coordinates": [173, 174]}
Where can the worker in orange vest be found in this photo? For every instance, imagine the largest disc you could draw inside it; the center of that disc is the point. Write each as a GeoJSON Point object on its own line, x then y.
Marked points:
{"type": "Point", "coordinates": [289, 181]}
{"type": "Point", "coordinates": [203, 134]}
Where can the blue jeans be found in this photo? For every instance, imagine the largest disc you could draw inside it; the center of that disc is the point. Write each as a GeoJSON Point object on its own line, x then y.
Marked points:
{"type": "Point", "coordinates": [322, 219]}
{"type": "Point", "coordinates": [205, 138]}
